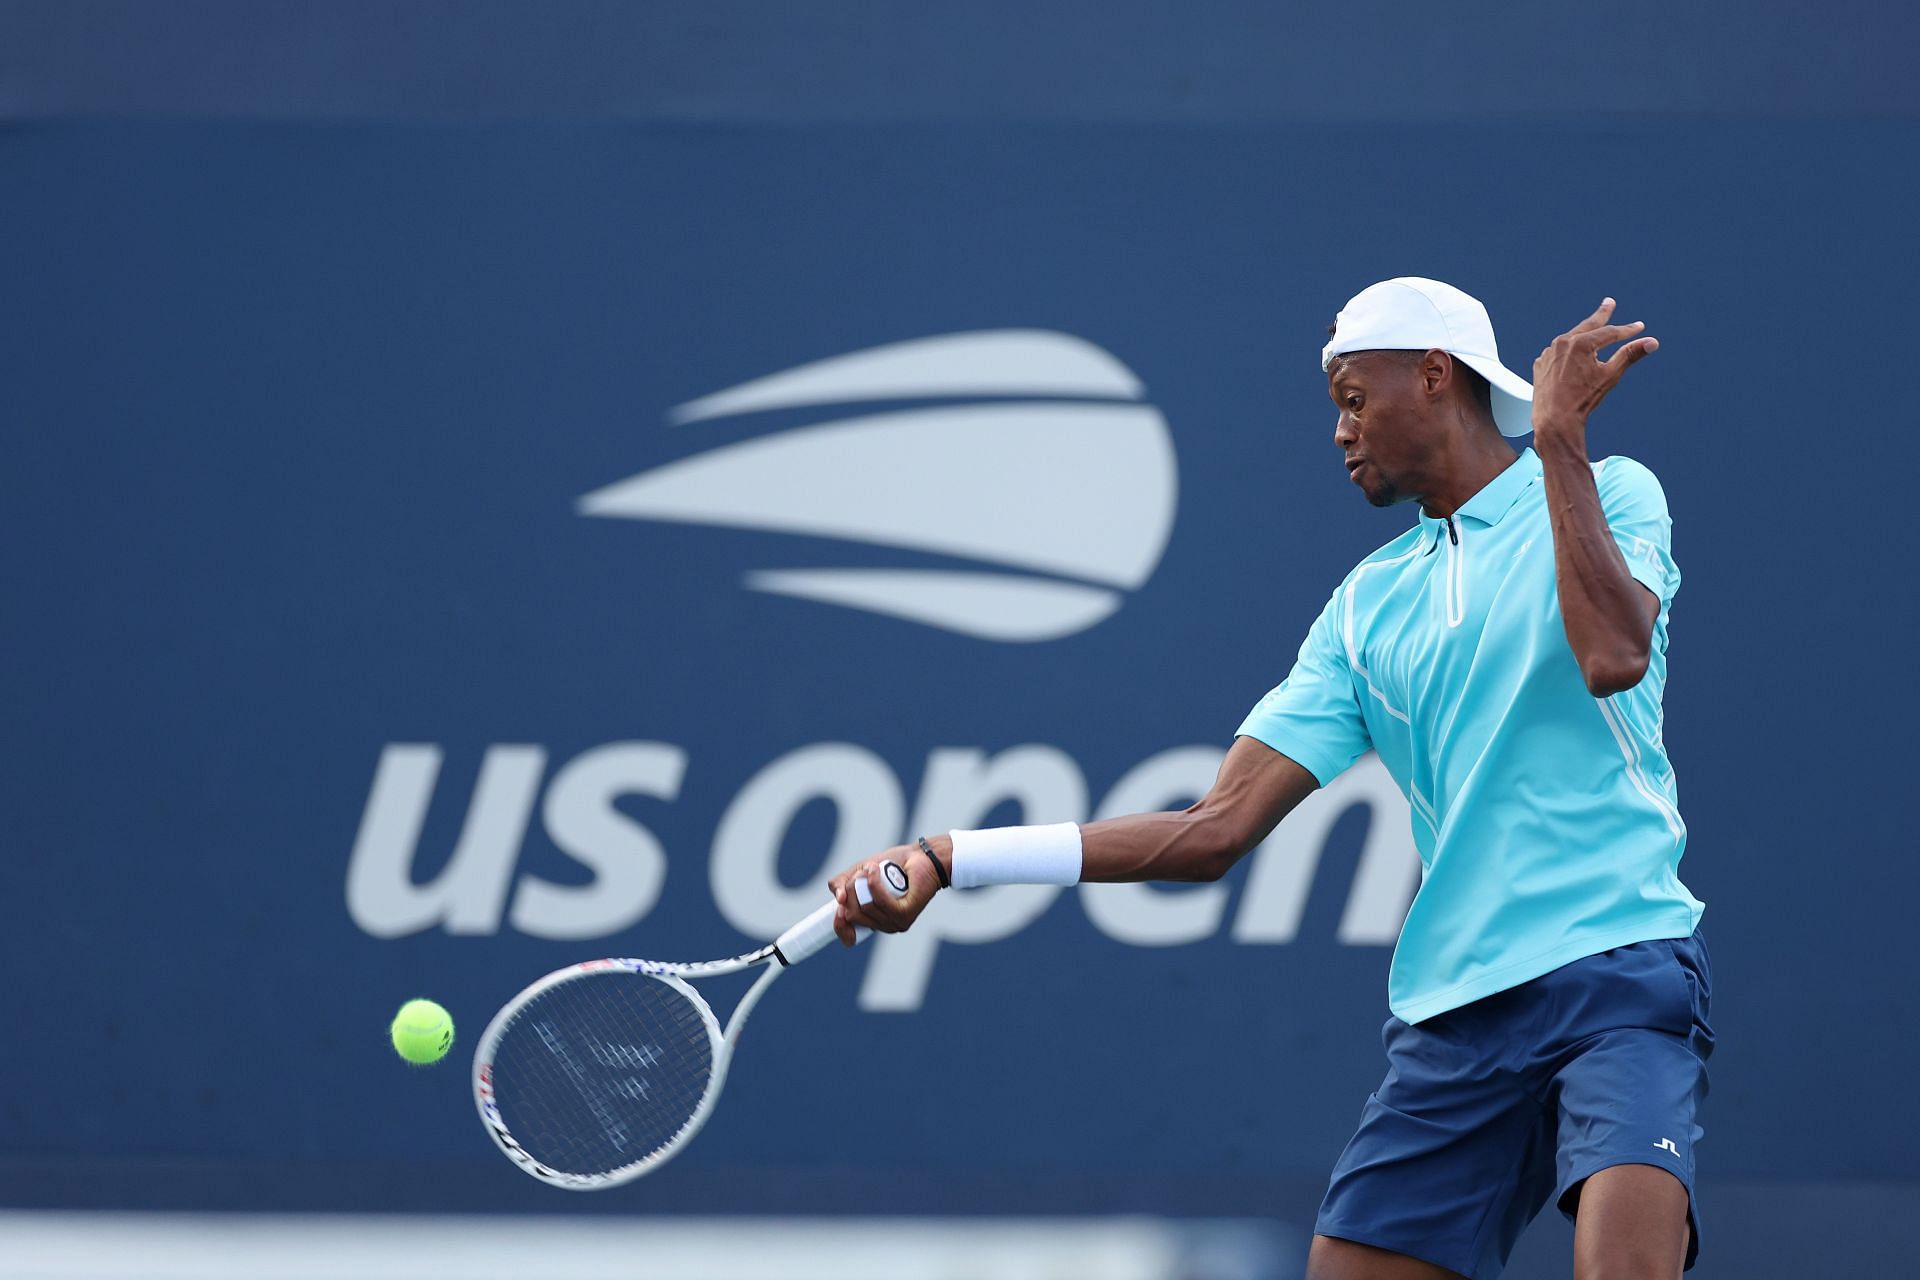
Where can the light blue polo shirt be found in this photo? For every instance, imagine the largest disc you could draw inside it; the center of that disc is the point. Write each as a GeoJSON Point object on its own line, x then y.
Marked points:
{"type": "Point", "coordinates": [1546, 818]}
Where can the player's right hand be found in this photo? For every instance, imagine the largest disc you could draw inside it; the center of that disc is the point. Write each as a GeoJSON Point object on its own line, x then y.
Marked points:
{"type": "Point", "coordinates": [884, 913]}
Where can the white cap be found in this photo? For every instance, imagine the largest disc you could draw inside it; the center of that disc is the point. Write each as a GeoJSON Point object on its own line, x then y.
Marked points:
{"type": "Point", "coordinates": [1409, 313]}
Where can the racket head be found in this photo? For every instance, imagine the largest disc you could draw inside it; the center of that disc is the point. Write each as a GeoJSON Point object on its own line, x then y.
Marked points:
{"type": "Point", "coordinates": [599, 1073]}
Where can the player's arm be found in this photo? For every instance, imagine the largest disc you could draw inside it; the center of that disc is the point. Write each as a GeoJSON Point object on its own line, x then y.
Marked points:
{"type": "Point", "coordinates": [1609, 615]}
{"type": "Point", "coordinates": [1256, 787]}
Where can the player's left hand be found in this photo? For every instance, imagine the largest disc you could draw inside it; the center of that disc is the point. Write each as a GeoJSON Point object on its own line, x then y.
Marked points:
{"type": "Point", "coordinates": [1570, 380]}
{"type": "Point", "coordinates": [884, 913]}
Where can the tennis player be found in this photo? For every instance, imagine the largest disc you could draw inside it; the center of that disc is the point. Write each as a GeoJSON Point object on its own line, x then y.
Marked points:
{"type": "Point", "coordinates": [1505, 657]}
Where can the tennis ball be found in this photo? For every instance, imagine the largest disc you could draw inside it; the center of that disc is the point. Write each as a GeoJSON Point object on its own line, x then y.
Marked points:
{"type": "Point", "coordinates": [422, 1032]}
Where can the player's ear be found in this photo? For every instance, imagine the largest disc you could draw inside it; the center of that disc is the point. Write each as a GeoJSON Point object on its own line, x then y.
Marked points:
{"type": "Point", "coordinates": [1436, 372]}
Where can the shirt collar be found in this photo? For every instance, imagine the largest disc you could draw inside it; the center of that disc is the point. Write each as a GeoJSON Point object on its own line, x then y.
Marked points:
{"type": "Point", "coordinates": [1498, 495]}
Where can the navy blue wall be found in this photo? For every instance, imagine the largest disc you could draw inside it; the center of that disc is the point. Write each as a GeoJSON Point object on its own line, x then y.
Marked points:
{"type": "Point", "coordinates": [297, 417]}
{"type": "Point", "coordinates": [1331, 62]}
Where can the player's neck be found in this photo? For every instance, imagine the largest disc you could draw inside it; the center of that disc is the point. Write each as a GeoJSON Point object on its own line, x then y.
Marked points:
{"type": "Point", "coordinates": [1465, 470]}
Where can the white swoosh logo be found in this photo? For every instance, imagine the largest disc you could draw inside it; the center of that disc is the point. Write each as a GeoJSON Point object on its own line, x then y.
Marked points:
{"type": "Point", "coordinates": [993, 362]}
{"type": "Point", "coordinates": [992, 606]}
{"type": "Point", "coordinates": [1079, 490]}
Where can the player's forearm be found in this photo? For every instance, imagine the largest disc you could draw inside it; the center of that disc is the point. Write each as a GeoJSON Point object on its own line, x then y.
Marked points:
{"type": "Point", "coordinates": [1187, 845]}
{"type": "Point", "coordinates": [1190, 845]}
{"type": "Point", "coordinates": [1257, 786]}
{"type": "Point", "coordinates": [1600, 601]}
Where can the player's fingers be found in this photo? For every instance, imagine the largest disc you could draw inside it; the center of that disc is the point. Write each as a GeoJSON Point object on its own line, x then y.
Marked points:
{"type": "Point", "coordinates": [1635, 351]}
{"type": "Point", "coordinates": [848, 915]}
{"type": "Point", "coordinates": [855, 916]}
{"type": "Point", "coordinates": [843, 901]}
{"type": "Point", "coordinates": [871, 903]}
{"type": "Point", "coordinates": [1598, 318]}
{"type": "Point", "coordinates": [1608, 334]}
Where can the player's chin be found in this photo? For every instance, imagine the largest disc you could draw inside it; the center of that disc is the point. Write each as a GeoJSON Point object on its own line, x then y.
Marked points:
{"type": "Point", "coordinates": [1380, 494]}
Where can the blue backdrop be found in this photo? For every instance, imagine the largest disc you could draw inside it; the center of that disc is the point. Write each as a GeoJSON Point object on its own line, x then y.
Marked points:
{"type": "Point", "coordinates": [299, 419]}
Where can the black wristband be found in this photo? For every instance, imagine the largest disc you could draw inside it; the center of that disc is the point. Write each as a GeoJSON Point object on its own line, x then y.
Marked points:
{"type": "Point", "coordinates": [946, 881]}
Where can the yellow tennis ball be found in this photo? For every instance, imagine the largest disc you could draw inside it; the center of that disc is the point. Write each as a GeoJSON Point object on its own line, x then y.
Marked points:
{"type": "Point", "coordinates": [422, 1032]}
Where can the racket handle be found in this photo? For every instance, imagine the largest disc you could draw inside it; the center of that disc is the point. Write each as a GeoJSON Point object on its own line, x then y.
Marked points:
{"type": "Point", "coordinates": [816, 931]}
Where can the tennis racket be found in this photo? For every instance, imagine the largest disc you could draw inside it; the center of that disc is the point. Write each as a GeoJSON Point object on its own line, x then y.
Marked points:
{"type": "Point", "coordinates": [603, 1071]}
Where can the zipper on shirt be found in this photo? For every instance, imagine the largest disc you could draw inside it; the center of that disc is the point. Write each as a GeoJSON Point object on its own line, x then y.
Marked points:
{"type": "Point", "coordinates": [1456, 576]}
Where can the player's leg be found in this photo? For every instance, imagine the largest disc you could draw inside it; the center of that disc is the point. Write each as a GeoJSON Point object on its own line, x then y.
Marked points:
{"type": "Point", "coordinates": [1626, 1092]}
{"type": "Point", "coordinates": [1453, 1156]}
{"type": "Point", "coordinates": [1335, 1259]}
{"type": "Point", "coordinates": [1632, 1225]}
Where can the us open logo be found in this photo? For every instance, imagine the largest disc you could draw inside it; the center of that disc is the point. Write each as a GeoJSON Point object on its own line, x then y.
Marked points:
{"type": "Point", "coordinates": [1054, 479]}
{"type": "Point", "coordinates": [1056, 489]}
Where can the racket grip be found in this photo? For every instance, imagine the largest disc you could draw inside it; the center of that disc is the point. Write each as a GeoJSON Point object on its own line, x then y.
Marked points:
{"type": "Point", "coordinates": [816, 931]}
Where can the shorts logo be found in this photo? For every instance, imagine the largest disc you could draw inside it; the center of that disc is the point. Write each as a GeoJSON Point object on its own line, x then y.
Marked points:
{"type": "Point", "coordinates": [1037, 465]}
{"type": "Point", "coordinates": [1666, 1145]}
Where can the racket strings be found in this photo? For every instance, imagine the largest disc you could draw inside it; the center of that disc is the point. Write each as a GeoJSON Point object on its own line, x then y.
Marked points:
{"type": "Point", "coordinates": [599, 1073]}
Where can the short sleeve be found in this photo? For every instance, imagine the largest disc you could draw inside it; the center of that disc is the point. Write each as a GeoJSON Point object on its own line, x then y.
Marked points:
{"type": "Point", "coordinates": [1636, 510]}
{"type": "Point", "coordinates": [1314, 717]}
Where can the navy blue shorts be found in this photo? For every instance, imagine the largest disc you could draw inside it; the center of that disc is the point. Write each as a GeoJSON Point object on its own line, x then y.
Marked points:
{"type": "Point", "coordinates": [1490, 1110]}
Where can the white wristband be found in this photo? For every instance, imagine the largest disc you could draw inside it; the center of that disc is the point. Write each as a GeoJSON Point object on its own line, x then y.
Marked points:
{"type": "Point", "coordinates": [1017, 855]}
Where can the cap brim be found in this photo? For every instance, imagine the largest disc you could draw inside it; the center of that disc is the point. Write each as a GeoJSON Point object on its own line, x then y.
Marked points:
{"type": "Point", "coordinates": [1512, 395]}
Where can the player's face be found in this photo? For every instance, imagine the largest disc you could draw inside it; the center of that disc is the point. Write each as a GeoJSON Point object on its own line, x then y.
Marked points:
{"type": "Point", "coordinates": [1382, 431]}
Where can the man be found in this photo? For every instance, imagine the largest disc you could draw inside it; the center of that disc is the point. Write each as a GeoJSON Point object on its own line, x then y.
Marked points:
{"type": "Point", "coordinates": [1505, 657]}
